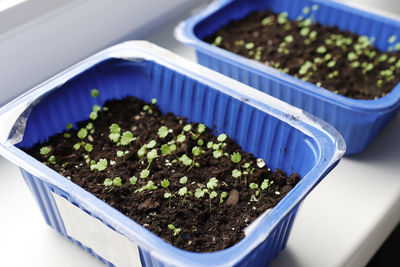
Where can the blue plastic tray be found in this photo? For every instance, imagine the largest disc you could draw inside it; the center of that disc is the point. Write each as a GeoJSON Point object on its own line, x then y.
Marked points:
{"type": "Point", "coordinates": [284, 136]}
{"type": "Point", "coordinates": [359, 121]}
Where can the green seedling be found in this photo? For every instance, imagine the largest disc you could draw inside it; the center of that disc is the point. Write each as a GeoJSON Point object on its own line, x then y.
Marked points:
{"type": "Point", "coordinates": [186, 161]}
{"type": "Point", "coordinates": [117, 181]}
{"type": "Point", "coordinates": [122, 154]}
{"type": "Point", "coordinates": [222, 196]}
{"type": "Point", "coordinates": [175, 230]}
{"type": "Point", "coordinates": [267, 21]}
{"type": "Point", "coordinates": [94, 114]}
{"type": "Point", "coordinates": [162, 132]}
{"type": "Point", "coordinates": [217, 41]}
{"type": "Point", "coordinates": [45, 150]}
{"type": "Point", "coordinates": [94, 93]}
{"type": "Point", "coordinates": [151, 155]}
{"type": "Point", "coordinates": [133, 180]}
{"type": "Point", "coordinates": [149, 187]}
{"type": "Point", "coordinates": [168, 194]}
{"type": "Point", "coordinates": [183, 190]}
{"type": "Point", "coordinates": [115, 132]}
{"type": "Point", "coordinates": [196, 151]}
{"type": "Point", "coordinates": [101, 165]}
{"type": "Point", "coordinates": [82, 133]}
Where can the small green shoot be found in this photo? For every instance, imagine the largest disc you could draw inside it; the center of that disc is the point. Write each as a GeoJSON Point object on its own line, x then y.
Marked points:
{"type": "Point", "coordinates": [117, 181]}
{"type": "Point", "coordinates": [101, 165]}
{"type": "Point", "coordinates": [45, 150]}
{"type": "Point", "coordinates": [94, 93]}
{"type": "Point", "coordinates": [162, 132]}
{"type": "Point", "coordinates": [133, 180]}
{"type": "Point", "coordinates": [168, 194]}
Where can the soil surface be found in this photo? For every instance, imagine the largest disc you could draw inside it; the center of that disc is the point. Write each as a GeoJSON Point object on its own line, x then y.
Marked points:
{"type": "Point", "coordinates": [204, 225]}
{"type": "Point", "coordinates": [339, 61]}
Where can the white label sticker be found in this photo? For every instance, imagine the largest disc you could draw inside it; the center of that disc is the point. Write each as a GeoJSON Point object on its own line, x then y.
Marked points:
{"type": "Point", "coordinates": [94, 234]}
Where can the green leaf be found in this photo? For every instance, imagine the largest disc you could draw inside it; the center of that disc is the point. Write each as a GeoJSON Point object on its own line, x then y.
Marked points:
{"type": "Point", "coordinates": [133, 180]}
{"type": "Point", "coordinates": [142, 151]}
{"type": "Point", "coordinates": [89, 126]}
{"type": "Point", "coordinates": [153, 101]}
{"type": "Point", "coordinates": [101, 165]}
{"type": "Point", "coordinates": [266, 183]}
{"type": "Point", "coordinates": [210, 144]}
{"type": "Point", "coordinates": [45, 150]}
{"type": "Point", "coordinates": [144, 173]}
{"type": "Point", "coordinates": [94, 93]}
{"type": "Point", "coordinates": [186, 160]}
{"type": "Point", "coordinates": [253, 186]}
{"type": "Point", "coordinates": [249, 46]}
{"type": "Point", "coordinates": [77, 146]}
{"type": "Point", "coordinates": [282, 17]}
{"type": "Point", "coordinates": [246, 165]}
{"type": "Point", "coordinates": [222, 137]}
{"type": "Point", "coordinates": [200, 142]}
{"type": "Point", "coordinates": [187, 127]}
{"type": "Point", "coordinates": [117, 181]}
{"type": "Point", "coordinates": [181, 138]}
{"type": "Point", "coordinates": [196, 151]}
{"type": "Point", "coordinates": [108, 182]}
{"type": "Point", "coordinates": [199, 193]}
{"type": "Point", "coordinates": [96, 108]}
{"type": "Point", "coordinates": [52, 159]}
{"type": "Point", "coordinates": [183, 180]}
{"type": "Point", "coordinates": [165, 183]}
{"type": "Point", "coordinates": [392, 39]}
{"type": "Point", "coordinates": [289, 38]}
{"type": "Point", "coordinates": [236, 173]}
{"type": "Point", "coordinates": [163, 132]}
{"type": "Point", "coordinates": [152, 155]}
{"type": "Point", "coordinates": [321, 50]}
{"type": "Point", "coordinates": [212, 183]}
{"type": "Point", "coordinates": [127, 138]}
{"type": "Point", "coordinates": [266, 21]}
{"type": "Point", "coordinates": [93, 115]}
{"type": "Point", "coordinates": [82, 133]}
{"type": "Point", "coordinates": [151, 186]}
{"type": "Point", "coordinates": [213, 194]}
{"type": "Point", "coordinates": [67, 135]}
{"type": "Point", "coordinates": [217, 41]}
{"type": "Point", "coordinates": [114, 137]}
{"type": "Point", "coordinates": [171, 226]}
{"type": "Point", "coordinates": [201, 128]}
{"type": "Point", "coordinates": [89, 147]}
{"type": "Point", "coordinates": [114, 128]}
{"type": "Point", "coordinates": [165, 149]}
{"type": "Point", "coordinates": [120, 154]}
{"type": "Point", "coordinates": [222, 196]}
{"type": "Point", "coordinates": [217, 154]}
{"type": "Point", "coordinates": [236, 157]}
{"type": "Point", "coordinates": [70, 126]}
{"type": "Point", "coordinates": [151, 144]}
{"type": "Point", "coordinates": [182, 191]}
{"type": "Point", "coordinates": [167, 195]}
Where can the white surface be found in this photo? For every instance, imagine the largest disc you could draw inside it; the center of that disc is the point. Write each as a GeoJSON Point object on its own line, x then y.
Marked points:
{"type": "Point", "coordinates": [342, 222]}
{"type": "Point", "coordinates": [94, 234]}
{"type": "Point", "coordinates": [40, 38]}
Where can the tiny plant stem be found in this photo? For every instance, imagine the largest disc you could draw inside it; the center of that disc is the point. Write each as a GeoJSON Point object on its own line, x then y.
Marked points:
{"type": "Point", "coordinates": [191, 166]}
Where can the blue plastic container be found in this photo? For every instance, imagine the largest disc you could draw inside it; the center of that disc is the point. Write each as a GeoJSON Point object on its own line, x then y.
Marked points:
{"type": "Point", "coordinates": [359, 121]}
{"type": "Point", "coordinates": [284, 136]}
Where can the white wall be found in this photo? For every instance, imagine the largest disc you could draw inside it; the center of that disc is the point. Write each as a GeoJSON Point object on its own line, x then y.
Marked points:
{"type": "Point", "coordinates": [39, 38]}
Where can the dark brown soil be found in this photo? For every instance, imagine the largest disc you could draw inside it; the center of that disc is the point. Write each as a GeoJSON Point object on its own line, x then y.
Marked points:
{"type": "Point", "coordinates": [202, 229]}
{"type": "Point", "coordinates": [288, 47]}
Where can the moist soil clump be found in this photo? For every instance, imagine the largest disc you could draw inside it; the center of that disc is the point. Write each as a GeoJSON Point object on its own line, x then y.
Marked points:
{"type": "Point", "coordinates": [195, 218]}
{"type": "Point", "coordinates": [339, 61]}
